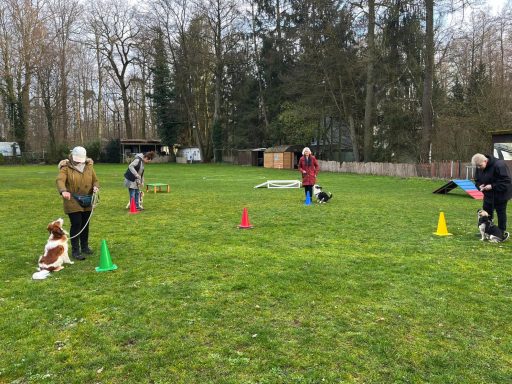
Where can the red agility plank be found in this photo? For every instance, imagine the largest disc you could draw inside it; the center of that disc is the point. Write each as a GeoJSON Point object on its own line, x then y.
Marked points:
{"type": "Point", "coordinates": [476, 194]}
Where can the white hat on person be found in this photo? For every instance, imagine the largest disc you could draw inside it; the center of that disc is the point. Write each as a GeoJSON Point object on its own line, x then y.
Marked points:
{"type": "Point", "coordinates": [79, 154]}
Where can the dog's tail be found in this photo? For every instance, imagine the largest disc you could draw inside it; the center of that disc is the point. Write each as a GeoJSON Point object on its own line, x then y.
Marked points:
{"type": "Point", "coordinates": [330, 195]}
{"type": "Point", "coordinates": [41, 275]}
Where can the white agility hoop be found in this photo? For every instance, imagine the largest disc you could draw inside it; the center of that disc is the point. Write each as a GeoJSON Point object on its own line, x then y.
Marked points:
{"type": "Point", "coordinates": [277, 184]}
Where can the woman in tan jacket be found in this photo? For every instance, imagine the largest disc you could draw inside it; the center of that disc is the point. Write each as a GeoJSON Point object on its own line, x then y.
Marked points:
{"type": "Point", "coordinates": [76, 182]}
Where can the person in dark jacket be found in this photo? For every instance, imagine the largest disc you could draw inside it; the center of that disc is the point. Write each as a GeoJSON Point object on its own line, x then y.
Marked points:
{"type": "Point", "coordinates": [76, 180]}
{"type": "Point", "coordinates": [492, 177]}
{"type": "Point", "coordinates": [134, 176]}
{"type": "Point", "coordinates": [308, 167]}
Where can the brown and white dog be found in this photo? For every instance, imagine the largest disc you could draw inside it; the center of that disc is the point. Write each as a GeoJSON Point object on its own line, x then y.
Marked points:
{"type": "Point", "coordinates": [55, 251]}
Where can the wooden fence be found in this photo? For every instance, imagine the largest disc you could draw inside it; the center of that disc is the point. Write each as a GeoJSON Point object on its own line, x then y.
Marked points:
{"type": "Point", "coordinates": [437, 170]}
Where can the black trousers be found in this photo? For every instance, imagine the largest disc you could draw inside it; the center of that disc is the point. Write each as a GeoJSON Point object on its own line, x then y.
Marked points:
{"type": "Point", "coordinates": [308, 188]}
{"type": "Point", "coordinates": [78, 221]}
{"type": "Point", "coordinates": [501, 212]}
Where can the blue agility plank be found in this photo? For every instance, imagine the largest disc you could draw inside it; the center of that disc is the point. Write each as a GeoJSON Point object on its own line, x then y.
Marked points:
{"type": "Point", "coordinates": [466, 185]}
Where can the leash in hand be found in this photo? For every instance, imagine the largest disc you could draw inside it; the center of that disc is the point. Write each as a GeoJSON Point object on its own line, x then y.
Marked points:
{"type": "Point", "coordinates": [94, 202]}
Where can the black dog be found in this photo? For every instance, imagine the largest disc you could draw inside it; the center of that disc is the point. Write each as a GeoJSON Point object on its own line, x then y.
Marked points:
{"type": "Point", "coordinates": [321, 197]}
{"type": "Point", "coordinates": [488, 230]}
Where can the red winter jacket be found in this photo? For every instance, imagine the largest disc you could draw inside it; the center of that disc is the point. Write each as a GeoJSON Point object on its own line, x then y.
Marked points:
{"type": "Point", "coordinates": [308, 169]}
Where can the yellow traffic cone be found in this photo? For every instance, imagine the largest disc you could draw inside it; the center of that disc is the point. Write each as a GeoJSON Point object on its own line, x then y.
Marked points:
{"type": "Point", "coordinates": [441, 226]}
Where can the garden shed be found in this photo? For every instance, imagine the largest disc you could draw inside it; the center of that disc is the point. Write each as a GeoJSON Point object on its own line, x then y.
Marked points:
{"type": "Point", "coordinates": [282, 156]}
{"type": "Point", "coordinates": [189, 155]}
{"type": "Point", "coordinates": [252, 157]}
{"type": "Point", "coordinates": [131, 146]}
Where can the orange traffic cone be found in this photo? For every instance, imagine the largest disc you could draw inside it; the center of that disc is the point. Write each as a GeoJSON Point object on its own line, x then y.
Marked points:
{"type": "Point", "coordinates": [244, 224]}
{"type": "Point", "coordinates": [133, 208]}
{"type": "Point", "coordinates": [442, 230]}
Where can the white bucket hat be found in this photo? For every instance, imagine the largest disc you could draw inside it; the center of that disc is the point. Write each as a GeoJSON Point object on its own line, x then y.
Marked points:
{"type": "Point", "coordinates": [79, 154]}
{"type": "Point", "coordinates": [306, 149]}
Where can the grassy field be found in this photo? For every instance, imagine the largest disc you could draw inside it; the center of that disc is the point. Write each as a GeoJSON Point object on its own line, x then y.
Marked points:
{"type": "Point", "coordinates": [358, 290]}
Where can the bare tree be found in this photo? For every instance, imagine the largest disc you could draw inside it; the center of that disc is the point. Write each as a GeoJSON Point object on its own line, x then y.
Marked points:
{"type": "Point", "coordinates": [64, 15]}
{"type": "Point", "coordinates": [222, 17]}
{"type": "Point", "coordinates": [370, 84]}
{"type": "Point", "coordinates": [21, 32]}
{"type": "Point", "coordinates": [117, 32]}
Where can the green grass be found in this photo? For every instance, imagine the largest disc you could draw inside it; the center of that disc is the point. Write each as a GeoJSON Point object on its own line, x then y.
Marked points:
{"type": "Point", "coordinates": [358, 290]}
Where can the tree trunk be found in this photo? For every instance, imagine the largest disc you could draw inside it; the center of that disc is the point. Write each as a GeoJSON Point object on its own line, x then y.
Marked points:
{"type": "Point", "coordinates": [64, 94]}
{"type": "Point", "coordinates": [99, 130]}
{"type": "Point", "coordinates": [427, 110]}
{"type": "Point", "coordinates": [263, 106]}
{"type": "Point", "coordinates": [370, 95]}
{"type": "Point", "coordinates": [126, 111]}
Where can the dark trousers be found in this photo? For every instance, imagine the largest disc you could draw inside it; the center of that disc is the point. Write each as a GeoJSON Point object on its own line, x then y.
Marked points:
{"type": "Point", "coordinates": [501, 212]}
{"type": "Point", "coordinates": [308, 188]}
{"type": "Point", "coordinates": [78, 221]}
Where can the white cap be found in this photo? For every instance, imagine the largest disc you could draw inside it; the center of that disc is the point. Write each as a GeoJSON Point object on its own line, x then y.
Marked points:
{"type": "Point", "coordinates": [306, 149]}
{"type": "Point", "coordinates": [79, 154]}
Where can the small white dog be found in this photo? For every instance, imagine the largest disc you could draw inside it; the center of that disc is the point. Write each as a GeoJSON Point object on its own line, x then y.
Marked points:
{"type": "Point", "coordinates": [321, 196]}
{"type": "Point", "coordinates": [55, 251]}
{"type": "Point", "coordinates": [488, 230]}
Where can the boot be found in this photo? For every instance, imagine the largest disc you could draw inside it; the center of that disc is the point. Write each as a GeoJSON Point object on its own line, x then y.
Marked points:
{"type": "Point", "coordinates": [75, 253]}
{"type": "Point", "coordinates": [86, 250]}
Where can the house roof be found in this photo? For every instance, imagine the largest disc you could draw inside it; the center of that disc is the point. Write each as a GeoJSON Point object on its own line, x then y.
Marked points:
{"type": "Point", "coordinates": [140, 141]}
{"type": "Point", "coordinates": [285, 148]}
{"type": "Point", "coordinates": [252, 150]}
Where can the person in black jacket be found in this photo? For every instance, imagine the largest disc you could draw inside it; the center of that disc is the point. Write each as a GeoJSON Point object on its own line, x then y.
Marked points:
{"type": "Point", "coordinates": [492, 177]}
{"type": "Point", "coordinates": [134, 176]}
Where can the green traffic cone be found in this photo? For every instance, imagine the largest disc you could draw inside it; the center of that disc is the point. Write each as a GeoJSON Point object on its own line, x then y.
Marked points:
{"type": "Point", "coordinates": [105, 259]}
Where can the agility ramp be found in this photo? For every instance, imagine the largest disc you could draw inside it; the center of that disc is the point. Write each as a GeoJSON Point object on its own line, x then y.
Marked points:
{"type": "Point", "coordinates": [280, 184]}
{"type": "Point", "coordinates": [466, 185]}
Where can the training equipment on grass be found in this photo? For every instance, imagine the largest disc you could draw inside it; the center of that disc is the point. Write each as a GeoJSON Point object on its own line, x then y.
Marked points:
{"type": "Point", "coordinates": [279, 184]}
{"type": "Point", "coordinates": [441, 226]}
{"type": "Point", "coordinates": [245, 224]}
{"type": "Point", "coordinates": [467, 186]}
{"type": "Point", "coordinates": [308, 199]}
{"type": "Point", "coordinates": [133, 207]}
{"type": "Point", "coordinates": [105, 259]}
{"type": "Point", "coordinates": [155, 186]}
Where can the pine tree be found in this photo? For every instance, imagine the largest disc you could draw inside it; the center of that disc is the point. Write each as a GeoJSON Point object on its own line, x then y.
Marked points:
{"type": "Point", "coordinates": [164, 98]}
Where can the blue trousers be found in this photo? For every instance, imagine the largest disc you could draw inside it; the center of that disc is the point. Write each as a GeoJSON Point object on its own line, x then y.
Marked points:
{"type": "Point", "coordinates": [134, 193]}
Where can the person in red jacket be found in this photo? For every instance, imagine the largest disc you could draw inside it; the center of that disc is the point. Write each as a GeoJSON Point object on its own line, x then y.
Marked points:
{"type": "Point", "coordinates": [308, 167]}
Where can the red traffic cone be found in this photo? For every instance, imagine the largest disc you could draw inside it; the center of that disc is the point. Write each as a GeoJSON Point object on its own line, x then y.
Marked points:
{"type": "Point", "coordinates": [133, 208]}
{"type": "Point", "coordinates": [245, 221]}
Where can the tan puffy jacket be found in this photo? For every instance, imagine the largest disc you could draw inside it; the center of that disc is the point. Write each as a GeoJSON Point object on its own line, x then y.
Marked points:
{"type": "Point", "coordinates": [72, 180]}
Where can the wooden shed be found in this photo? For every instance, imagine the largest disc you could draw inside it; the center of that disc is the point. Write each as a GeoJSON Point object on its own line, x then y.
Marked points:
{"type": "Point", "coordinates": [131, 146]}
{"type": "Point", "coordinates": [282, 156]}
{"type": "Point", "coordinates": [252, 157]}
